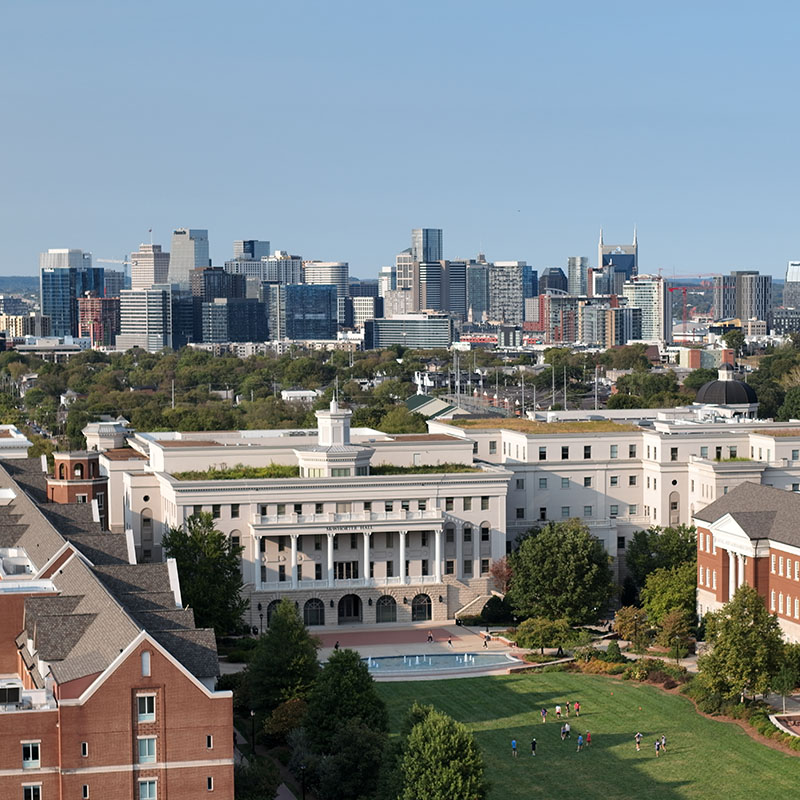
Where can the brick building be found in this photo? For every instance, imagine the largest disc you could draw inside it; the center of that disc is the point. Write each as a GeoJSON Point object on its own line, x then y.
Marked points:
{"type": "Point", "coordinates": [106, 686]}
{"type": "Point", "coordinates": [76, 478]}
{"type": "Point", "coordinates": [99, 319]}
{"type": "Point", "coordinates": [750, 536]}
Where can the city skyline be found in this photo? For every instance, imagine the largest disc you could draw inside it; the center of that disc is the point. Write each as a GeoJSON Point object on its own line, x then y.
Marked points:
{"type": "Point", "coordinates": [683, 131]}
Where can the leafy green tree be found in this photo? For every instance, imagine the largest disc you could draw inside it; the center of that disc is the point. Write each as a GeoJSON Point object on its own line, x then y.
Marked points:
{"type": "Point", "coordinates": [560, 571]}
{"type": "Point", "coordinates": [659, 547]}
{"type": "Point", "coordinates": [631, 624]}
{"type": "Point", "coordinates": [350, 770]}
{"type": "Point", "coordinates": [343, 691]}
{"type": "Point", "coordinates": [284, 664]}
{"type": "Point", "coordinates": [675, 632]}
{"type": "Point", "coordinates": [670, 588]}
{"type": "Point", "coordinates": [784, 682]}
{"type": "Point", "coordinates": [734, 339]}
{"type": "Point", "coordinates": [699, 377]}
{"type": "Point", "coordinates": [746, 646]}
{"type": "Point", "coordinates": [256, 780]}
{"type": "Point", "coordinates": [209, 571]}
{"type": "Point", "coordinates": [400, 420]}
{"type": "Point", "coordinates": [620, 401]}
{"type": "Point", "coordinates": [542, 632]}
{"type": "Point", "coordinates": [442, 762]}
{"type": "Point", "coordinates": [790, 409]}
{"type": "Point", "coordinates": [288, 716]}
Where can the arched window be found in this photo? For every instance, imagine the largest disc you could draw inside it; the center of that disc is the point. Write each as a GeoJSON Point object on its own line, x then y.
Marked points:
{"type": "Point", "coordinates": [78, 470]}
{"type": "Point", "coordinates": [420, 608]}
{"type": "Point", "coordinates": [271, 610]}
{"type": "Point", "coordinates": [386, 609]}
{"type": "Point", "coordinates": [349, 609]}
{"type": "Point", "coordinates": [314, 612]}
{"type": "Point", "coordinates": [146, 663]}
{"type": "Point", "coordinates": [61, 472]}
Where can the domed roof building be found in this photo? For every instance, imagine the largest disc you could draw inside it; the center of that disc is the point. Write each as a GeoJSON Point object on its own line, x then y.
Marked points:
{"type": "Point", "coordinates": [736, 397]}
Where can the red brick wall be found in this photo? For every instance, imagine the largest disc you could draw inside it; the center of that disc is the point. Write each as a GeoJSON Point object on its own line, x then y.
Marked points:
{"type": "Point", "coordinates": [781, 584]}
{"type": "Point", "coordinates": [12, 608]}
{"type": "Point", "coordinates": [21, 726]}
{"type": "Point", "coordinates": [713, 561]}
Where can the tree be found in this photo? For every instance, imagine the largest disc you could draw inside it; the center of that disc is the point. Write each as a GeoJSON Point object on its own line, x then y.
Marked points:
{"type": "Point", "coordinates": [285, 718]}
{"type": "Point", "coordinates": [734, 339]}
{"type": "Point", "coordinates": [670, 588]}
{"type": "Point", "coordinates": [619, 401]}
{"type": "Point", "coordinates": [659, 547]}
{"type": "Point", "coordinates": [400, 420]}
{"type": "Point", "coordinates": [284, 664]}
{"type": "Point", "coordinates": [256, 780]}
{"type": "Point", "coordinates": [631, 624]}
{"type": "Point", "coordinates": [501, 573]}
{"type": "Point", "coordinates": [560, 571]}
{"type": "Point", "coordinates": [675, 633]}
{"type": "Point", "coordinates": [699, 377]}
{"type": "Point", "coordinates": [784, 682]}
{"type": "Point", "coordinates": [351, 768]}
{"type": "Point", "coordinates": [442, 761]}
{"type": "Point", "coordinates": [542, 632]}
{"type": "Point", "coordinates": [209, 571]}
{"type": "Point", "coordinates": [343, 691]}
{"type": "Point", "coordinates": [746, 646]}
{"type": "Point", "coordinates": [790, 409]}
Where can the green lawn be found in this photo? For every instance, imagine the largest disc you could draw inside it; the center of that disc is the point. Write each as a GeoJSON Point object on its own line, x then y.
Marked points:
{"type": "Point", "coordinates": [705, 759]}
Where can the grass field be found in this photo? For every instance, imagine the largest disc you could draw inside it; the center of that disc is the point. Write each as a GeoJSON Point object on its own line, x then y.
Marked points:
{"type": "Point", "coordinates": [705, 759]}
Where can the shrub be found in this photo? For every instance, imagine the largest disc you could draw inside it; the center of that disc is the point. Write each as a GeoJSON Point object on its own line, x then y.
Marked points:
{"type": "Point", "coordinates": [669, 683]}
{"type": "Point", "coordinates": [613, 653]}
{"type": "Point", "coordinates": [473, 620]}
{"type": "Point", "coordinates": [496, 610]}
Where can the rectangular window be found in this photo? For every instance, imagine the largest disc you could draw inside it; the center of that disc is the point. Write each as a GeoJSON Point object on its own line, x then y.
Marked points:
{"type": "Point", "coordinates": [796, 607]}
{"type": "Point", "coordinates": [520, 484]}
{"type": "Point", "coordinates": [631, 480]}
{"type": "Point", "coordinates": [368, 505]}
{"type": "Point", "coordinates": [492, 447]}
{"type": "Point", "coordinates": [587, 451]}
{"type": "Point", "coordinates": [281, 509]}
{"type": "Point", "coordinates": [613, 480]}
{"type": "Point", "coordinates": [353, 541]}
{"type": "Point", "coordinates": [797, 570]}
{"type": "Point", "coordinates": [405, 505]}
{"type": "Point", "coordinates": [587, 511]}
{"type": "Point", "coordinates": [448, 504]}
{"type": "Point", "coordinates": [449, 535]}
{"type": "Point", "coordinates": [631, 451]}
{"type": "Point", "coordinates": [484, 503]}
{"type": "Point", "coordinates": [81, 498]}
{"type": "Point", "coordinates": [467, 566]}
{"type": "Point", "coordinates": [467, 504]}
{"type": "Point", "coordinates": [796, 487]}
{"type": "Point", "coordinates": [565, 483]}
{"type": "Point", "coordinates": [147, 790]}
{"type": "Point", "coordinates": [780, 565]}
{"type": "Point", "coordinates": [780, 603]}
{"type": "Point", "coordinates": [147, 750]}
{"type": "Point", "coordinates": [732, 452]}
{"type": "Point", "coordinates": [84, 749]}
{"type": "Point", "coordinates": [620, 542]}
{"type": "Point", "coordinates": [772, 600]}
{"type": "Point", "coordinates": [216, 511]}
{"type": "Point", "coordinates": [772, 564]}
{"type": "Point", "coordinates": [281, 572]}
{"type": "Point", "coordinates": [30, 755]}
{"type": "Point", "coordinates": [520, 513]}
{"type": "Point", "coordinates": [485, 530]}
{"type": "Point", "coordinates": [700, 577]}
{"type": "Point", "coordinates": [317, 572]}
{"type": "Point", "coordinates": [390, 569]}
{"type": "Point", "coordinates": [146, 707]}
{"type": "Point", "coordinates": [424, 566]}
{"type": "Point", "coordinates": [340, 472]}
{"type": "Point", "coordinates": [542, 513]}
{"type": "Point", "coordinates": [209, 784]}
{"type": "Point", "coordinates": [718, 453]}
{"type": "Point", "coordinates": [648, 481]}
{"type": "Point", "coordinates": [85, 793]}
{"type": "Point", "coordinates": [542, 454]}
{"type": "Point", "coordinates": [235, 511]}
{"type": "Point", "coordinates": [484, 566]}
{"type": "Point", "coordinates": [449, 568]}
{"type": "Point", "coordinates": [613, 511]}
{"type": "Point", "coordinates": [692, 485]}
{"type": "Point", "coordinates": [587, 482]}
{"type": "Point", "coordinates": [31, 793]}
{"type": "Point", "coordinates": [565, 512]}
{"type": "Point", "coordinates": [795, 455]}
{"type": "Point", "coordinates": [655, 483]}
{"type": "Point", "coordinates": [565, 453]}
{"type": "Point", "coordinates": [648, 451]}
{"type": "Point", "coordinates": [633, 510]}
{"type": "Point", "coordinates": [388, 506]}
{"type": "Point", "coordinates": [708, 543]}
{"type": "Point", "coordinates": [714, 579]}
{"type": "Point", "coordinates": [467, 533]}
{"type": "Point", "coordinates": [423, 538]}
{"type": "Point", "coordinates": [614, 450]}
{"type": "Point", "coordinates": [673, 454]}
{"type": "Point", "coordinates": [542, 483]}
{"type": "Point", "coordinates": [319, 508]}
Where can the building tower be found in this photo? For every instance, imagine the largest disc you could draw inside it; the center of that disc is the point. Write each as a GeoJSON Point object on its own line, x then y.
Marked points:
{"type": "Point", "coordinates": [623, 258]}
{"type": "Point", "coordinates": [149, 265]}
{"type": "Point", "coordinates": [577, 270]}
{"type": "Point", "coordinates": [791, 289]}
{"type": "Point", "coordinates": [65, 276]}
{"type": "Point", "coordinates": [426, 244]}
{"type": "Point", "coordinates": [189, 251]}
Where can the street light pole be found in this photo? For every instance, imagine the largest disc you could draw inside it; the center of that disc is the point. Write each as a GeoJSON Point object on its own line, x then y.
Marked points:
{"type": "Point", "coordinates": [252, 733]}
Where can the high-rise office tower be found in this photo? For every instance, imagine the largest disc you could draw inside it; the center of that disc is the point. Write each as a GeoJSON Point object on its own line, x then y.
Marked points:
{"type": "Point", "coordinates": [208, 283]}
{"type": "Point", "coordinates": [404, 270]}
{"type": "Point", "coordinates": [530, 281]}
{"type": "Point", "coordinates": [649, 292]}
{"type": "Point", "coordinates": [227, 319]}
{"type": "Point", "coordinates": [428, 285]}
{"type": "Point", "coordinates": [336, 273]}
{"type": "Point", "coordinates": [791, 289]}
{"type": "Point", "coordinates": [149, 265]}
{"type": "Point", "coordinates": [65, 276]}
{"type": "Point", "coordinates": [577, 270]}
{"type": "Point", "coordinates": [753, 295]}
{"type": "Point", "coordinates": [146, 318]}
{"type": "Point", "coordinates": [301, 311]}
{"type": "Point", "coordinates": [113, 282]}
{"type": "Point", "coordinates": [387, 280]}
{"type": "Point", "coordinates": [477, 291]}
{"type": "Point", "coordinates": [250, 249]}
{"type": "Point", "coordinates": [189, 251]}
{"type": "Point", "coordinates": [454, 288]}
{"type": "Point", "coordinates": [506, 296]}
{"type": "Point", "coordinates": [553, 278]}
{"type": "Point", "coordinates": [426, 244]}
{"type": "Point", "coordinates": [99, 319]}
{"type": "Point", "coordinates": [623, 257]}
{"type": "Point", "coordinates": [724, 297]}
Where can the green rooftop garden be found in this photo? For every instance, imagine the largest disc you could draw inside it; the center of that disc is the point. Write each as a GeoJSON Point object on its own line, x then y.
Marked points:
{"type": "Point", "coordinates": [239, 472]}
{"type": "Point", "coordinates": [421, 469]}
{"type": "Point", "coordinates": [528, 426]}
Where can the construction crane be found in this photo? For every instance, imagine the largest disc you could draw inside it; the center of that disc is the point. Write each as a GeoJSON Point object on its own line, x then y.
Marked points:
{"type": "Point", "coordinates": [124, 261]}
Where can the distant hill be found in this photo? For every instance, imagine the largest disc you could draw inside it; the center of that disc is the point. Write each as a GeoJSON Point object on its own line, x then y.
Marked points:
{"type": "Point", "coordinates": [19, 284]}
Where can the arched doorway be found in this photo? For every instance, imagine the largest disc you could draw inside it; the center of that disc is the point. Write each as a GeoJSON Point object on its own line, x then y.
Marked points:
{"type": "Point", "coordinates": [386, 609]}
{"type": "Point", "coordinates": [314, 612]}
{"type": "Point", "coordinates": [271, 610]}
{"type": "Point", "coordinates": [420, 608]}
{"type": "Point", "coordinates": [349, 609]}
{"type": "Point", "coordinates": [674, 508]}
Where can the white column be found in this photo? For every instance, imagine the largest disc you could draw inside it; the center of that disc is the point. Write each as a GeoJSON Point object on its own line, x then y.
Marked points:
{"type": "Point", "coordinates": [437, 550]}
{"type": "Point", "coordinates": [402, 571]}
{"type": "Point", "coordinates": [731, 575]}
{"type": "Point", "coordinates": [330, 559]}
{"type": "Point", "coordinates": [293, 562]}
{"type": "Point", "coordinates": [257, 562]}
{"type": "Point", "coordinates": [366, 536]}
{"type": "Point", "coordinates": [459, 534]}
{"type": "Point", "coordinates": [740, 559]}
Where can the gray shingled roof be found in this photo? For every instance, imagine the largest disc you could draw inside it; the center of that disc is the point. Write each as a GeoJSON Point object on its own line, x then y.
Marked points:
{"type": "Point", "coordinates": [165, 620]}
{"type": "Point", "coordinates": [195, 649]}
{"type": "Point", "coordinates": [762, 512]}
{"type": "Point", "coordinates": [55, 637]}
{"type": "Point", "coordinates": [124, 578]}
{"type": "Point", "coordinates": [147, 601]}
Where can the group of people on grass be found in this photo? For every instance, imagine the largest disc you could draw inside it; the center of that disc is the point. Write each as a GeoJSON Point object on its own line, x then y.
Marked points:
{"type": "Point", "coordinates": [660, 744]}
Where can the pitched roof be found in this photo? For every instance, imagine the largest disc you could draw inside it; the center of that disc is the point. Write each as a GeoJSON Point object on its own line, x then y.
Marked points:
{"type": "Point", "coordinates": [762, 512]}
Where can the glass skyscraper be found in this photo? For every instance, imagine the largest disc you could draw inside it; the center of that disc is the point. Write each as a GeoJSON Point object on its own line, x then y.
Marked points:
{"type": "Point", "coordinates": [60, 288]}
{"type": "Point", "coordinates": [301, 311]}
{"type": "Point", "coordinates": [426, 244]}
{"type": "Point", "coordinates": [189, 251]}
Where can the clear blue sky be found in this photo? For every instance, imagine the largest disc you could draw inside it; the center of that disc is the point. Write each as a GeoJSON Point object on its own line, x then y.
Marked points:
{"type": "Point", "coordinates": [333, 128]}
